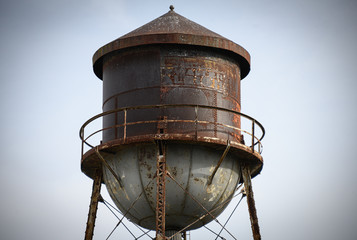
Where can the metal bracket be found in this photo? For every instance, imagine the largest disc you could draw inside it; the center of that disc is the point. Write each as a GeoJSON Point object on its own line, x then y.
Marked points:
{"type": "Point", "coordinates": [209, 181]}
{"type": "Point", "coordinates": [162, 125]}
{"type": "Point", "coordinates": [108, 166]}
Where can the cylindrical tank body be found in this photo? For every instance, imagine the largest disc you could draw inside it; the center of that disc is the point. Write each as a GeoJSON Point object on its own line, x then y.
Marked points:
{"type": "Point", "coordinates": [171, 61]}
{"type": "Point", "coordinates": [171, 74]}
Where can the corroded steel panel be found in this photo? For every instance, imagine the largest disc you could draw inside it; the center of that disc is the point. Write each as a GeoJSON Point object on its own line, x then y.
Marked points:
{"type": "Point", "coordinates": [166, 75]}
{"type": "Point", "coordinates": [172, 28]}
{"type": "Point", "coordinates": [177, 82]}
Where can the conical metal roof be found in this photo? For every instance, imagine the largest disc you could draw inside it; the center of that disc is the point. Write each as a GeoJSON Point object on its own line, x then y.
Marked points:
{"type": "Point", "coordinates": [172, 28]}
{"type": "Point", "coordinates": [171, 22]}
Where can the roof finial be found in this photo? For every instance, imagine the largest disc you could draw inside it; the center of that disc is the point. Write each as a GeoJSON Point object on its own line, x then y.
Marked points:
{"type": "Point", "coordinates": [172, 7]}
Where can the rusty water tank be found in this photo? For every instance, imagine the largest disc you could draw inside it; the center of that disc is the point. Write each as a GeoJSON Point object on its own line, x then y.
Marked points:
{"type": "Point", "coordinates": [175, 81]}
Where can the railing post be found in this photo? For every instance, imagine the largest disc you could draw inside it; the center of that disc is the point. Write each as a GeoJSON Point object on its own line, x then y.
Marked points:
{"type": "Point", "coordinates": [253, 123]}
{"type": "Point", "coordinates": [82, 148]}
{"type": "Point", "coordinates": [196, 120]}
{"type": "Point", "coordinates": [125, 112]}
{"type": "Point", "coordinates": [116, 116]}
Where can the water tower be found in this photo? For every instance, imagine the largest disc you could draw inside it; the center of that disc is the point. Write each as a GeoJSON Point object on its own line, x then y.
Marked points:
{"type": "Point", "coordinates": [172, 148]}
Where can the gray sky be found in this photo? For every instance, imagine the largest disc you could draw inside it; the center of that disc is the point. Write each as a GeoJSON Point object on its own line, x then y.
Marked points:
{"type": "Point", "coordinates": [302, 88]}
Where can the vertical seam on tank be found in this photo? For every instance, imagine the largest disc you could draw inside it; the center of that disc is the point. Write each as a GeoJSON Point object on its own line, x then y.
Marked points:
{"type": "Point", "coordinates": [116, 117]}
{"type": "Point", "coordinates": [142, 185]}
{"type": "Point", "coordinates": [161, 78]}
{"type": "Point", "coordinates": [215, 113]}
{"type": "Point", "coordinates": [188, 183]}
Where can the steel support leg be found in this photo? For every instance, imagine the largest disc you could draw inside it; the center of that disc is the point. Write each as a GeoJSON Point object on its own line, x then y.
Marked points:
{"type": "Point", "coordinates": [251, 203]}
{"type": "Point", "coordinates": [160, 191]}
{"type": "Point", "coordinates": [93, 205]}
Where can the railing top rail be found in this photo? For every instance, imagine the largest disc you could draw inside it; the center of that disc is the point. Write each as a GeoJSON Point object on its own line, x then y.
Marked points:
{"type": "Point", "coordinates": [81, 132]}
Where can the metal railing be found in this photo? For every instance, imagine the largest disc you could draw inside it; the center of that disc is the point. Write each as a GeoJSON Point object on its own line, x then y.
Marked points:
{"type": "Point", "coordinates": [255, 140]}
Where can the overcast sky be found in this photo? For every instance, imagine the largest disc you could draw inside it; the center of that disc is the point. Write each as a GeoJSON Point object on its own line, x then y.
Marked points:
{"type": "Point", "coordinates": [302, 88]}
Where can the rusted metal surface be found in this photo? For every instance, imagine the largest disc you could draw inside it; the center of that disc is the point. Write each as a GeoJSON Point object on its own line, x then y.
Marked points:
{"type": "Point", "coordinates": [251, 203]}
{"type": "Point", "coordinates": [93, 205]}
{"type": "Point", "coordinates": [177, 82]}
{"type": "Point", "coordinates": [166, 74]}
{"type": "Point", "coordinates": [153, 75]}
{"type": "Point", "coordinates": [89, 163]}
{"type": "Point", "coordinates": [172, 28]}
{"type": "Point", "coordinates": [160, 191]}
{"type": "Point", "coordinates": [163, 122]}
